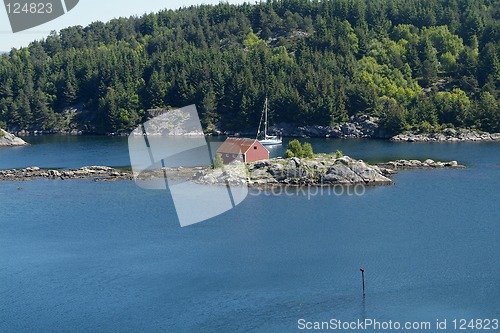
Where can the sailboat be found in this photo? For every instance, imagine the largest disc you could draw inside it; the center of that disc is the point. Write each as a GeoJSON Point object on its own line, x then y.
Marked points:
{"type": "Point", "coordinates": [268, 140]}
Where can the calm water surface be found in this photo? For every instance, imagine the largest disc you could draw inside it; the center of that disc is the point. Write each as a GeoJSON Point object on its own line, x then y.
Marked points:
{"type": "Point", "coordinates": [111, 257]}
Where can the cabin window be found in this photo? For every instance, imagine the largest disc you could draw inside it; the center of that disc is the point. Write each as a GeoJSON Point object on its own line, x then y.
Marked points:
{"type": "Point", "coordinates": [255, 147]}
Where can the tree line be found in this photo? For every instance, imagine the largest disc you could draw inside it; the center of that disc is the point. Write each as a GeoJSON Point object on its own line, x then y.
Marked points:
{"type": "Point", "coordinates": [416, 64]}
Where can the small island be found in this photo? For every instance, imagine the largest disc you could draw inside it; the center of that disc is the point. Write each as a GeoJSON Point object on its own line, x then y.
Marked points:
{"type": "Point", "coordinates": [302, 167]}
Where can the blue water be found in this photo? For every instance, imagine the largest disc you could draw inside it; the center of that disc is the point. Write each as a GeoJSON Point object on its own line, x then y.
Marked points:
{"type": "Point", "coordinates": [110, 257]}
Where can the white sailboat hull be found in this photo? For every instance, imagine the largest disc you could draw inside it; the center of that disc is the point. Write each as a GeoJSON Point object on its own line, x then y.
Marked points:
{"type": "Point", "coordinates": [271, 141]}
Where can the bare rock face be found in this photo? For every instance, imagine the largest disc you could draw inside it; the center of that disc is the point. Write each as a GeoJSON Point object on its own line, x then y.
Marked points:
{"type": "Point", "coordinates": [357, 127]}
{"type": "Point", "coordinates": [321, 170]}
{"type": "Point", "coordinates": [7, 139]}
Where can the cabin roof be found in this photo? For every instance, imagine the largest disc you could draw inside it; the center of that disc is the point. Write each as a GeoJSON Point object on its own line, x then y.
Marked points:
{"type": "Point", "coordinates": [237, 145]}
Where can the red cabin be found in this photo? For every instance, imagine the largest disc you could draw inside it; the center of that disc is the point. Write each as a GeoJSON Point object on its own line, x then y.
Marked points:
{"type": "Point", "coordinates": [242, 149]}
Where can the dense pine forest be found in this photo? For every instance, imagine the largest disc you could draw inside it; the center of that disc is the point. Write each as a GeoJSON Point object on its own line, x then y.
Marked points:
{"type": "Point", "coordinates": [416, 64]}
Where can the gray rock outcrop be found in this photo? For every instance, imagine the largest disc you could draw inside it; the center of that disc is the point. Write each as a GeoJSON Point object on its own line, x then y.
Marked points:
{"type": "Point", "coordinates": [98, 173]}
{"type": "Point", "coordinates": [357, 127]}
{"type": "Point", "coordinates": [7, 139]}
{"type": "Point", "coordinates": [448, 135]}
{"type": "Point", "coordinates": [318, 171]}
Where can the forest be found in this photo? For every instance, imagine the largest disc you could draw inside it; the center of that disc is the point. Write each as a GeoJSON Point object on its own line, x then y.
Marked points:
{"type": "Point", "coordinates": [415, 64]}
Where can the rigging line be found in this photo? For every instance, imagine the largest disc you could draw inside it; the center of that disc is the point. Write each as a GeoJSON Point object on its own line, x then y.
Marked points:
{"type": "Point", "coordinates": [260, 123]}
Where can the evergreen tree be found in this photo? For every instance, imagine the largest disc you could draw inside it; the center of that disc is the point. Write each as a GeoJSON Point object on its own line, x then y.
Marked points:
{"type": "Point", "coordinates": [319, 62]}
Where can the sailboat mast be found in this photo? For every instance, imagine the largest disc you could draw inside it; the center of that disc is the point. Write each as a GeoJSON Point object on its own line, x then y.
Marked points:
{"type": "Point", "coordinates": [265, 121]}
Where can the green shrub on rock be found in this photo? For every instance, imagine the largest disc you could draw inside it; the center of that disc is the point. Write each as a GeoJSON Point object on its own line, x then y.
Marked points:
{"type": "Point", "coordinates": [289, 154]}
{"type": "Point", "coordinates": [307, 150]}
{"type": "Point", "coordinates": [296, 149]}
{"type": "Point", "coordinates": [218, 161]}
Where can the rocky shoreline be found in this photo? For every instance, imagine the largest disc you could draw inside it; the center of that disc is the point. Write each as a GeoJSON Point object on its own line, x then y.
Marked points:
{"type": "Point", "coordinates": [96, 173]}
{"type": "Point", "coordinates": [7, 139]}
{"type": "Point", "coordinates": [367, 127]}
{"type": "Point", "coordinates": [322, 170]}
{"type": "Point", "coordinates": [360, 127]}
{"type": "Point", "coordinates": [448, 135]}
{"type": "Point", "coordinates": [356, 128]}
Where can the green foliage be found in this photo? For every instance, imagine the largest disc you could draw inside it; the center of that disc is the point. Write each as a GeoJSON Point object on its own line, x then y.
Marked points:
{"type": "Point", "coordinates": [443, 40]}
{"type": "Point", "coordinates": [289, 154]}
{"type": "Point", "coordinates": [489, 113]}
{"type": "Point", "coordinates": [448, 63]}
{"type": "Point", "coordinates": [319, 62]}
{"type": "Point", "coordinates": [296, 149]}
{"type": "Point", "coordinates": [307, 150]}
{"type": "Point", "coordinates": [218, 162]}
{"type": "Point", "coordinates": [338, 154]}
{"type": "Point", "coordinates": [425, 127]}
{"type": "Point", "coordinates": [251, 40]}
{"type": "Point", "coordinates": [392, 116]}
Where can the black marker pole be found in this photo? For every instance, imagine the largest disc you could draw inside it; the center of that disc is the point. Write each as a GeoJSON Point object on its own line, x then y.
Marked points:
{"type": "Point", "coordinates": [363, 278]}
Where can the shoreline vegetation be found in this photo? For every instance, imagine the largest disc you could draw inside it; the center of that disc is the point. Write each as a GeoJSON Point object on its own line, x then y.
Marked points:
{"type": "Point", "coordinates": [321, 170]}
{"type": "Point", "coordinates": [366, 128]}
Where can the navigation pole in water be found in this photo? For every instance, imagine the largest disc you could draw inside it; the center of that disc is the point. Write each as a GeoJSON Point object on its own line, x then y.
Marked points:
{"type": "Point", "coordinates": [363, 278]}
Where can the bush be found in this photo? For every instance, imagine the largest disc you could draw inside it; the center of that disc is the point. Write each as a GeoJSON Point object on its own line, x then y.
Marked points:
{"type": "Point", "coordinates": [338, 154]}
{"type": "Point", "coordinates": [425, 127]}
{"type": "Point", "coordinates": [218, 161]}
{"type": "Point", "coordinates": [307, 150]}
{"type": "Point", "coordinates": [289, 154]}
{"type": "Point", "coordinates": [296, 149]}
